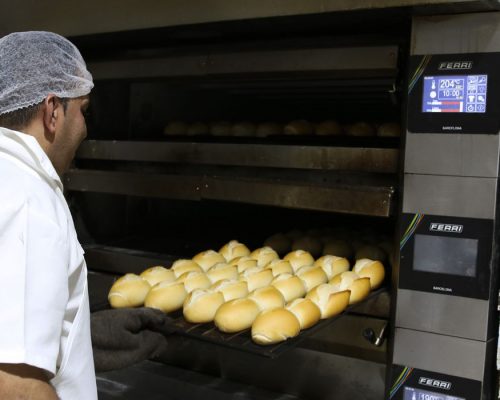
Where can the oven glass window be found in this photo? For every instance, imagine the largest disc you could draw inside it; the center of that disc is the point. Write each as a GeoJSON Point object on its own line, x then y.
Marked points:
{"type": "Point", "coordinates": [455, 94]}
{"type": "Point", "coordinates": [418, 394]}
{"type": "Point", "coordinates": [445, 255]}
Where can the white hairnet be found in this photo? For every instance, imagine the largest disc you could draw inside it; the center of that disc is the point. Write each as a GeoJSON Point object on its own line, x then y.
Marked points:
{"type": "Point", "coordinates": [36, 64]}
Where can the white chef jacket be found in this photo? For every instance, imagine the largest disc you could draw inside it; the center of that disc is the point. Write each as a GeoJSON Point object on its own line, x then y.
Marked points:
{"type": "Point", "coordinates": [44, 306]}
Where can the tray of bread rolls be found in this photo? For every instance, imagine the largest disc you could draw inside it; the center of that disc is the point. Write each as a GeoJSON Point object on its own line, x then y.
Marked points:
{"type": "Point", "coordinates": [253, 301]}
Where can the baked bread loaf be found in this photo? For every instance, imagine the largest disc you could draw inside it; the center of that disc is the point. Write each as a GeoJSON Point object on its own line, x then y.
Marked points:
{"type": "Point", "coordinates": [197, 128]}
{"type": "Point", "coordinates": [175, 128]}
{"type": "Point", "coordinates": [290, 286]}
{"type": "Point", "coordinates": [243, 263]}
{"type": "Point", "coordinates": [299, 258]}
{"type": "Point", "coordinates": [231, 289]}
{"type": "Point", "coordinates": [236, 315]}
{"type": "Point", "coordinates": [389, 129]}
{"type": "Point", "coordinates": [182, 266]}
{"type": "Point", "coordinates": [360, 129]}
{"type": "Point", "coordinates": [371, 269]}
{"type": "Point", "coordinates": [264, 255]}
{"type": "Point", "coordinates": [274, 326]}
{"type": "Point", "coordinates": [234, 249]}
{"type": "Point", "coordinates": [269, 129]}
{"type": "Point", "coordinates": [243, 129]}
{"type": "Point", "coordinates": [308, 243]}
{"type": "Point", "coordinates": [201, 305]}
{"type": "Point", "coordinates": [207, 259]}
{"type": "Point", "coordinates": [312, 276]}
{"type": "Point", "coordinates": [166, 296]}
{"type": "Point", "coordinates": [222, 128]}
{"type": "Point", "coordinates": [349, 280]}
{"type": "Point", "coordinates": [128, 291]}
{"type": "Point", "coordinates": [279, 243]}
{"type": "Point", "coordinates": [157, 274]}
{"type": "Point", "coordinates": [222, 271]}
{"type": "Point", "coordinates": [328, 128]}
{"type": "Point", "coordinates": [193, 280]}
{"type": "Point", "coordinates": [279, 267]}
{"type": "Point", "coordinates": [306, 311]}
{"type": "Point", "coordinates": [257, 278]}
{"type": "Point", "coordinates": [330, 300]}
{"type": "Point", "coordinates": [338, 247]}
{"type": "Point", "coordinates": [267, 297]}
{"type": "Point", "coordinates": [299, 127]}
{"type": "Point", "coordinates": [332, 265]}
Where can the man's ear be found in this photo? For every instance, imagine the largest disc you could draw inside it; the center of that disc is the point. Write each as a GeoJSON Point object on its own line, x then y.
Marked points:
{"type": "Point", "coordinates": [51, 109]}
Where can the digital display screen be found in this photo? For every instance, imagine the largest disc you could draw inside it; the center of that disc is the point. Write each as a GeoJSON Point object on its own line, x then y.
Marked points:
{"type": "Point", "coordinates": [455, 93]}
{"type": "Point", "coordinates": [445, 255]}
{"type": "Point", "coordinates": [418, 394]}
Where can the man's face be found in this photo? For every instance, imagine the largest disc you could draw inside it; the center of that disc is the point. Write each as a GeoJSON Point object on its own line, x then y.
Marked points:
{"type": "Point", "coordinates": [71, 132]}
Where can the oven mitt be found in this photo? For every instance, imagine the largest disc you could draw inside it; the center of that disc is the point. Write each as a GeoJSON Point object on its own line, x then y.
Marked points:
{"type": "Point", "coordinates": [123, 337]}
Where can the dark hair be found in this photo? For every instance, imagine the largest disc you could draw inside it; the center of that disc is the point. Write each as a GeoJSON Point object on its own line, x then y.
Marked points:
{"type": "Point", "coordinates": [19, 119]}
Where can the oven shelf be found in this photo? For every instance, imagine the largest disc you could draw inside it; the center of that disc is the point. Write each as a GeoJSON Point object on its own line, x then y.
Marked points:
{"type": "Point", "coordinates": [242, 340]}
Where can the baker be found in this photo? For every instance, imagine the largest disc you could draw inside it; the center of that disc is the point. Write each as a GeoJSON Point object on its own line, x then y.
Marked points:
{"type": "Point", "coordinates": [45, 338]}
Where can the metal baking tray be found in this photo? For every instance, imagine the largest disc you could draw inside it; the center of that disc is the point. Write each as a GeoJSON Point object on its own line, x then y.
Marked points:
{"type": "Point", "coordinates": [242, 340]}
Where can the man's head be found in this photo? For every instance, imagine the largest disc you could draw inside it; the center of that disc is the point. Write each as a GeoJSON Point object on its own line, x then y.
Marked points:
{"type": "Point", "coordinates": [44, 87]}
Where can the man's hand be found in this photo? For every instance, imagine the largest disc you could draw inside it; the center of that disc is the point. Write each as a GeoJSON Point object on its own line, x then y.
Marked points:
{"type": "Point", "coordinates": [123, 337]}
{"type": "Point", "coordinates": [22, 381]}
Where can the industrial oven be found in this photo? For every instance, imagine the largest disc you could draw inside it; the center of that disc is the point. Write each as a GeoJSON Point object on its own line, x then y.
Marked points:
{"type": "Point", "coordinates": [142, 198]}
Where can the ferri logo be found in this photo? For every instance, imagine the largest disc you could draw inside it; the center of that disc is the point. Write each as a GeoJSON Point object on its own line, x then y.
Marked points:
{"type": "Point", "coordinates": [451, 65]}
{"type": "Point", "coordinates": [434, 383]}
{"type": "Point", "coordinates": [447, 228]}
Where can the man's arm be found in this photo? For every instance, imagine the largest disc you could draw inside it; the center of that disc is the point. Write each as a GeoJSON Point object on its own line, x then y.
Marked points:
{"type": "Point", "coordinates": [24, 382]}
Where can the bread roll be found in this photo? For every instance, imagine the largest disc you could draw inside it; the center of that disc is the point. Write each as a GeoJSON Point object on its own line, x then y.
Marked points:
{"type": "Point", "coordinates": [328, 128]}
{"type": "Point", "coordinates": [306, 312]}
{"type": "Point", "coordinates": [207, 259]}
{"type": "Point", "coordinates": [197, 128]}
{"type": "Point", "coordinates": [279, 243]}
{"type": "Point", "coordinates": [182, 266]}
{"type": "Point", "coordinates": [157, 274]}
{"type": "Point", "coordinates": [269, 129]}
{"type": "Point", "coordinates": [267, 297]}
{"type": "Point", "coordinates": [294, 234]}
{"type": "Point", "coordinates": [299, 127]}
{"type": "Point", "coordinates": [231, 289]}
{"type": "Point", "coordinates": [236, 315]}
{"type": "Point", "coordinates": [176, 128]}
{"type": "Point", "coordinates": [222, 128]}
{"type": "Point", "coordinates": [329, 299]}
{"type": "Point", "coordinates": [244, 263]}
{"type": "Point", "coordinates": [274, 326]}
{"type": "Point", "coordinates": [299, 258]}
{"type": "Point", "coordinates": [389, 129]}
{"type": "Point", "coordinates": [193, 280]}
{"type": "Point", "coordinates": [332, 265]}
{"type": "Point", "coordinates": [339, 248]}
{"type": "Point", "coordinates": [371, 269]}
{"type": "Point", "coordinates": [371, 252]}
{"type": "Point", "coordinates": [222, 271]}
{"type": "Point", "coordinates": [234, 249]}
{"type": "Point", "coordinates": [128, 291]}
{"type": "Point", "coordinates": [349, 280]}
{"type": "Point", "coordinates": [264, 255]}
{"type": "Point", "coordinates": [280, 267]}
{"type": "Point", "coordinates": [308, 243]}
{"type": "Point", "coordinates": [201, 305]}
{"type": "Point", "coordinates": [290, 286]}
{"type": "Point", "coordinates": [360, 129]}
{"type": "Point", "coordinates": [243, 129]}
{"type": "Point", "coordinates": [166, 296]}
{"type": "Point", "coordinates": [312, 276]}
{"type": "Point", "coordinates": [257, 278]}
